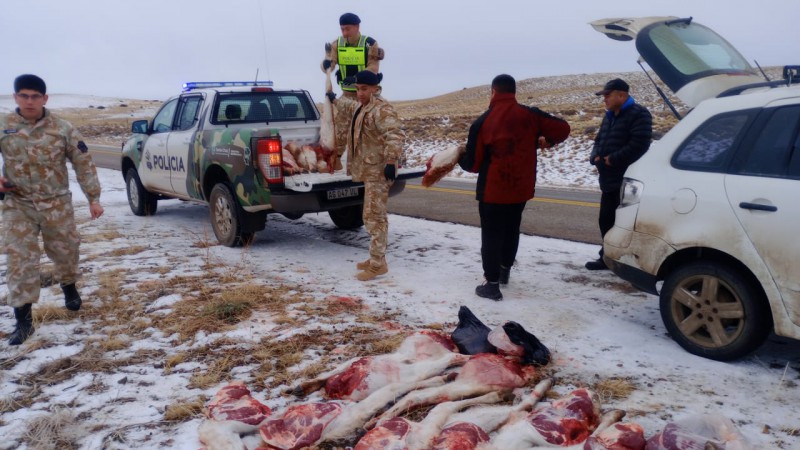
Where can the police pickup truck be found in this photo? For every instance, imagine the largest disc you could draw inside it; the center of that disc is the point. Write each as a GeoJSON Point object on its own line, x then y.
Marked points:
{"type": "Point", "coordinates": [221, 143]}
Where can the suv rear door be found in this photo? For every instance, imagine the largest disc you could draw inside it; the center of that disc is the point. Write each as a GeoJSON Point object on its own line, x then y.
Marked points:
{"type": "Point", "coordinates": [762, 190]}
{"type": "Point", "coordinates": [691, 59]}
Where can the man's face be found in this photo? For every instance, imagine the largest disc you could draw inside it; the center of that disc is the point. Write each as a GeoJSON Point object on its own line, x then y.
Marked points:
{"type": "Point", "coordinates": [350, 32]}
{"type": "Point", "coordinates": [614, 100]}
{"type": "Point", "coordinates": [364, 92]}
{"type": "Point", "coordinates": [31, 103]}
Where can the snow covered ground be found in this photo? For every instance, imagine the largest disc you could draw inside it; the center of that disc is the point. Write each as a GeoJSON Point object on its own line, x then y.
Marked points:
{"type": "Point", "coordinates": [596, 325]}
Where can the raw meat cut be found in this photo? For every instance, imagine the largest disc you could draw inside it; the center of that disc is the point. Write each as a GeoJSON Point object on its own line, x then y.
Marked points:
{"type": "Point", "coordinates": [232, 412]}
{"type": "Point", "coordinates": [300, 426]}
{"type": "Point", "coordinates": [619, 436]}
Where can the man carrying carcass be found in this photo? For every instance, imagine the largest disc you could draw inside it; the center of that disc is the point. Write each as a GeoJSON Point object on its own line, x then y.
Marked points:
{"type": "Point", "coordinates": [501, 148]}
{"type": "Point", "coordinates": [374, 146]}
{"type": "Point", "coordinates": [352, 52]}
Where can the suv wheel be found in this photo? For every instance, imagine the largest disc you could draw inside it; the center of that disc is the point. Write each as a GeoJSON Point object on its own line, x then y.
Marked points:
{"type": "Point", "coordinates": [349, 217]}
{"type": "Point", "coordinates": [142, 203]}
{"type": "Point", "coordinates": [226, 218]}
{"type": "Point", "coordinates": [710, 311]}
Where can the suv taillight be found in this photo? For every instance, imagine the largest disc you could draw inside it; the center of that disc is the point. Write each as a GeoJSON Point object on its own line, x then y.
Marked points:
{"type": "Point", "coordinates": [631, 192]}
{"type": "Point", "coordinates": [268, 151]}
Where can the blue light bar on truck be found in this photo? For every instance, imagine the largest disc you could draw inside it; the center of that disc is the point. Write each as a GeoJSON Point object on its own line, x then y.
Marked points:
{"type": "Point", "coordinates": [213, 84]}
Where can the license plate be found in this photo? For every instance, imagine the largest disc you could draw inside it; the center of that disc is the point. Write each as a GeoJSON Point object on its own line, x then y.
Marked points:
{"type": "Point", "coordinates": [342, 193]}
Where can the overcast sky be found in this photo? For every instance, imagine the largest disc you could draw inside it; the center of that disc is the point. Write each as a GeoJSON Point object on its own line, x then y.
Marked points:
{"type": "Point", "coordinates": [147, 48]}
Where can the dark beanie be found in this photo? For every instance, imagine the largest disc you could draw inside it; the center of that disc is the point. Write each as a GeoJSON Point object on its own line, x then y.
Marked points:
{"type": "Point", "coordinates": [349, 19]}
{"type": "Point", "coordinates": [364, 77]}
{"type": "Point", "coordinates": [32, 82]}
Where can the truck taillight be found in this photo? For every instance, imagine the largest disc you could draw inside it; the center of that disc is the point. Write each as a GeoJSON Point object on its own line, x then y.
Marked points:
{"type": "Point", "coordinates": [269, 159]}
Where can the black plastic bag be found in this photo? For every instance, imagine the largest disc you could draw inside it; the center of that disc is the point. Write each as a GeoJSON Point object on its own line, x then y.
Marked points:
{"type": "Point", "coordinates": [470, 336]}
{"type": "Point", "coordinates": [535, 352]}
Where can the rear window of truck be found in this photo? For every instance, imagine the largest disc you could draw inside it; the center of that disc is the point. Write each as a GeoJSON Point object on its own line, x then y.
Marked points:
{"type": "Point", "coordinates": [263, 107]}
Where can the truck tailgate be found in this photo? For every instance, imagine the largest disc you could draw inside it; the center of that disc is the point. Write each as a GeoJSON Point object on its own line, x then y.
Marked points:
{"type": "Point", "coordinates": [308, 182]}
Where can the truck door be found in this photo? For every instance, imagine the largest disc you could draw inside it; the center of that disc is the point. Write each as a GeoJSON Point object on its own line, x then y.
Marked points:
{"type": "Point", "coordinates": [153, 170]}
{"type": "Point", "coordinates": [180, 139]}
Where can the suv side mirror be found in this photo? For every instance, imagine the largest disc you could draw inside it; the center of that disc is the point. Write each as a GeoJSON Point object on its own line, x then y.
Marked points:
{"type": "Point", "coordinates": [791, 74]}
{"type": "Point", "coordinates": [139, 127]}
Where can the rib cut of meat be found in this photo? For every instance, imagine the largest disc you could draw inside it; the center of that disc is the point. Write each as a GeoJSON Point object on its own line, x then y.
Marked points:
{"type": "Point", "coordinates": [300, 426]}
{"type": "Point", "coordinates": [483, 373]}
{"type": "Point", "coordinates": [460, 436]}
{"type": "Point", "coordinates": [421, 355]}
{"type": "Point", "coordinates": [620, 436]}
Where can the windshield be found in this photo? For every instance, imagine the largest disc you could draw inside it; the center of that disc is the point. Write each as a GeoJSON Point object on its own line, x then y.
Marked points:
{"type": "Point", "coordinates": [680, 52]}
{"type": "Point", "coordinates": [263, 107]}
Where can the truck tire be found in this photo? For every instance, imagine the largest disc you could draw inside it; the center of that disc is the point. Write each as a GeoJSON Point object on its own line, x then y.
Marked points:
{"type": "Point", "coordinates": [226, 217]}
{"type": "Point", "coordinates": [712, 311]}
{"type": "Point", "coordinates": [142, 202]}
{"type": "Point", "coordinates": [349, 217]}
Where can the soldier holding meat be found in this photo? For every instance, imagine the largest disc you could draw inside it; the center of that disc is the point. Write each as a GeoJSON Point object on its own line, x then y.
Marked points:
{"type": "Point", "coordinates": [36, 146]}
{"type": "Point", "coordinates": [375, 146]}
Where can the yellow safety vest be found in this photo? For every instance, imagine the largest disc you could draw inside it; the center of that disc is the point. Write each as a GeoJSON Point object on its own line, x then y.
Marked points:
{"type": "Point", "coordinates": [351, 60]}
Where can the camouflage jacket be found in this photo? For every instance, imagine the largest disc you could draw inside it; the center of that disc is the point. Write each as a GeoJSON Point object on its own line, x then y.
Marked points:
{"type": "Point", "coordinates": [374, 140]}
{"type": "Point", "coordinates": [35, 159]}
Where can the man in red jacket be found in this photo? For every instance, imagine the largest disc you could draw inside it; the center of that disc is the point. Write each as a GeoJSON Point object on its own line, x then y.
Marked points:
{"type": "Point", "coordinates": [501, 148]}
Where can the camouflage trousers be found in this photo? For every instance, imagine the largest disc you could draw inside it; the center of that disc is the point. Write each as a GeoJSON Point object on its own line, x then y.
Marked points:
{"type": "Point", "coordinates": [376, 221]}
{"type": "Point", "coordinates": [22, 225]}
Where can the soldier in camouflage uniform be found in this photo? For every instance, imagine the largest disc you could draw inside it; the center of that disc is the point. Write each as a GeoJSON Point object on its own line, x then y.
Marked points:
{"type": "Point", "coordinates": [352, 52]}
{"type": "Point", "coordinates": [375, 146]}
{"type": "Point", "coordinates": [36, 146]}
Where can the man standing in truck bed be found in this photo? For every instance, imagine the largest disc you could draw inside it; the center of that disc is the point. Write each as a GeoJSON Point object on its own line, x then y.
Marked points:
{"type": "Point", "coordinates": [352, 52]}
{"type": "Point", "coordinates": [375, 146]}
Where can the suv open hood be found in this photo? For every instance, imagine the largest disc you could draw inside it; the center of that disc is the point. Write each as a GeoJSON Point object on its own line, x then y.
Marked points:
{"type": "Point", "coordinates": [691, 59]}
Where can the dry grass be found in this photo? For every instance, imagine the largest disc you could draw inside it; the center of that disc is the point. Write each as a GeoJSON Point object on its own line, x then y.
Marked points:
{"type": "Point", "coordinates": [56, 429]}
{"type": "Point", "coordinates": [614, 388]}
{"type": "Point", "coordinates": [183, 411]}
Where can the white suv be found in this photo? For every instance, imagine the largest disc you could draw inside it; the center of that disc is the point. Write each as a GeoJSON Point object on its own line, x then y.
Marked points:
{"type": "Point", "coordinates": [713, 208]}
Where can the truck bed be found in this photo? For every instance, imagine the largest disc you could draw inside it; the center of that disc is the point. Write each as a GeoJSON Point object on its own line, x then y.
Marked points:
{"type": "Point", "coordinates": [308, 182]}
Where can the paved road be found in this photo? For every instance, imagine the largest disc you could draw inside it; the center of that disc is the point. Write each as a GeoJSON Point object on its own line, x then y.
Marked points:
{"type": "Point", "coordinates": [558, 213]}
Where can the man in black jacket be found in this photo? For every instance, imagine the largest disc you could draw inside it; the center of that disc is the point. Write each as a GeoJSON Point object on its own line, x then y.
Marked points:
{"type": "Point", "coordinates": [624, 136]}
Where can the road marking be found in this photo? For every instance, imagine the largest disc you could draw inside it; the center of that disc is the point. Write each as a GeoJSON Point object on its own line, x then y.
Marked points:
{"type": "Point", "coordinates": [535, 199]}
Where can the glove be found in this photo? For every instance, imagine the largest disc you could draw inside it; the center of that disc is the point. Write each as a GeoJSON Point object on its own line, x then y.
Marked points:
{"type": "Point", "coordinates": [326, 64]}
{"type": "Point", "coordinates": [331, 96]}
{"type": "Point", "coordinates": [390, 172]}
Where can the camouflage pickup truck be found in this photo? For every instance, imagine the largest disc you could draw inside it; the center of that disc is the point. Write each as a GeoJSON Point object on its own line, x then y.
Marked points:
{"type": "Point", "coordinates": [221, 144]}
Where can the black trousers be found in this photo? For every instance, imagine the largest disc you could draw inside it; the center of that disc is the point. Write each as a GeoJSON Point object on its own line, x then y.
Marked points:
{"type": "Point", "coordinates": [609, 201]}
{"type": "Point", "coordinates": [499, 236]}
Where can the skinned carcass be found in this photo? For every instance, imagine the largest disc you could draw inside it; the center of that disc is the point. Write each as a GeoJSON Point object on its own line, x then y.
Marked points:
{"type": "Point", "coordinates": [483, 373]}
{"type": "Point", "coordinates": [421, 355]}
{"type": "Point", "coordinates": [402, 433]}
{"type": "Point", "coordinates": [699, 432]}
{"type": "Point", "coordinates": [442, 163]}
{"type": "Point", "coordinates": [327, 132]}
{"type": "Point", "coordinates": [307, 158]}
{"type": "Point", "coordinates": [232, 412]}
{"type": "Point", "coordinates": [288, 163]}
{"type": "Point", "coordinates": [300, 426]}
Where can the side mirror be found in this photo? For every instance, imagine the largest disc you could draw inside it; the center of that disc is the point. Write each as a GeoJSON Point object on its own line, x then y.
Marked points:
{"type": "Point", "coordinates": [139, 127]}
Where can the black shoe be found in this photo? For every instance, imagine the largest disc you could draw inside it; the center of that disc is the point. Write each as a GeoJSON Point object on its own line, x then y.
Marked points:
{"type": "Point", "coordinates": [72, 300]}
{"type": "Point", "coordinates": [597, 264]}
{"type": "Point", "coordinates": [505, 273]}
{"type": "Point", "coordinates": [24, 327]}
{"type": "Point", "coordinates": [490, 290]}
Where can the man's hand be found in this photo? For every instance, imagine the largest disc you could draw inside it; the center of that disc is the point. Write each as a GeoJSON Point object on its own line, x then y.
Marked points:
{"type": "Point", "coordinates": [96, 210]}
{"type": "Point", "coordinates": [331, 96]}
{"type": "Point", "coordinates": [607, 160]}
{"type": "Point", "coordinates": [6, 185]}
{"type": "Point", "coordinates": [543, 142]}
{"type": "Point", "coordinates": [326, 64]}
{"type": "Point", "coordinates": [390, 172]}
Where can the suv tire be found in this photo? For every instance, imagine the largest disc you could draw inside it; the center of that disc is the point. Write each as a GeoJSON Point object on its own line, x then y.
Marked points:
{"type": "Point", "coordinates": [142, 202]}
{"type": "Point", "coordinates": [226, 217]}
{"type": "Point", "coordinates": [349, 217]}
{"type": "Point", "coordinates": [711, 311]}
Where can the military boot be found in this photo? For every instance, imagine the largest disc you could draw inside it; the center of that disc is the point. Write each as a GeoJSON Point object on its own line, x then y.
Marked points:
{"type": "Point", "coordinates": [363, 265]}
{"type": "Point", "coordinates": [24, 327]}
{"type": "Point", "coordinates": [72, 300]}
{"type": "Point", "coordinates": [372, 272]}
{"type": "Point", "coordinates": [490, 290]}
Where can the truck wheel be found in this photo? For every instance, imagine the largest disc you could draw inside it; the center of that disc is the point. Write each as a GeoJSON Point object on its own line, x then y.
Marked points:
{"type": "Point", "coordinates": [226, 218]}
{"type": "Point", "coordinates": [349, 217]}
{"type": "Point", "coordinates": [142, 203]}
{"type": "Point", "coordinates": [712, 311]}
